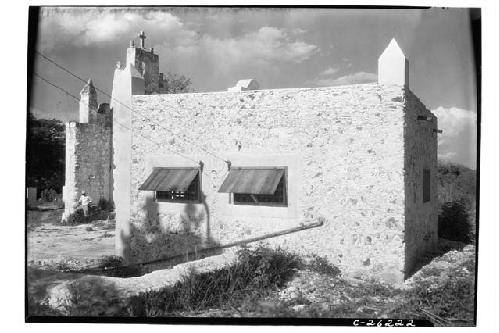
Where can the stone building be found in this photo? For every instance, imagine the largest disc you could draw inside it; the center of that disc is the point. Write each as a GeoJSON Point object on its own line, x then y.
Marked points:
{"type": "Point", "coordinates": [88, 153]}
{"type": "Point", "coordinates": [204, 170]}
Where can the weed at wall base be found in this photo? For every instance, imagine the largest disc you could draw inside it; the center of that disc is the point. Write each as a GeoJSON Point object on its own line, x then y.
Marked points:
{"type": "Point", "coordinates": [255, 273]}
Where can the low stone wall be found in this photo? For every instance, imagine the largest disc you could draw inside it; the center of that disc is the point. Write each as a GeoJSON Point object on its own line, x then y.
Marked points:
{"type": "Point", "coordinates": [101, 295]}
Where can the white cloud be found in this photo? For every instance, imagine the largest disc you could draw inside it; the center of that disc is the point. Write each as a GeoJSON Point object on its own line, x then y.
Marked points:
{"type": "Point", "coordinates": [458, 141]}
{"type": "Point", "coordinates": [83, 27]}
{"type": "Point", "coordinates": [268, 44]}
{"type": "Point", "coordinates": [355, 78]}
{"type": "Point", "coordinates": [448, 156]}
{"type": "Point", "coordinates": [330, 71]}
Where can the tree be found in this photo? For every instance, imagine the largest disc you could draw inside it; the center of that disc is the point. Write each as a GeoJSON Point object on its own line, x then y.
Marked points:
{"type": "Point", "coordinates": [175, 84]}
{"type": "Point", "coordinates": [45, 153]}
{"type": "Point", "coordinates": [457, 198]}
{"type": "Point", "coordinates": [45, 144]}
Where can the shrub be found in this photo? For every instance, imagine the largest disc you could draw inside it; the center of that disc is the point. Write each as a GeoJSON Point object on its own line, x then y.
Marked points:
{"type": "Point", "coordinates": [457, 197]}
{"type": "Point", "coordinates": [108, 262]}
{"type": "Point", "coordinates": [323, 266]}
{"type": "Point", "coordinates": [453, 222]}
{"type": "Point", "coordinates": [104, 205]}
{"type": "Point", "coordinates": [35, 308]}
{"type": "Point", "coordinates": [255, 273]}
{"type": "Point", "coordinates": [68, 265]}
{"type": "Point", "coordinates": [95, 213]}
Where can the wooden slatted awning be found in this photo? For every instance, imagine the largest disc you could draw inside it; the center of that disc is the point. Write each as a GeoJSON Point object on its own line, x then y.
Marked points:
{"type": "Point", "coordinates": [169, 179]}
{"type": "Point", "coordinates": [261, 180]}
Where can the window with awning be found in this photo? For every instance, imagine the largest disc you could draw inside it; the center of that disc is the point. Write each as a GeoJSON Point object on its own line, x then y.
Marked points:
{"type": "Point", "coordinates": [176, 184]}
{"type": "Point", "coordinates": [256, 185]}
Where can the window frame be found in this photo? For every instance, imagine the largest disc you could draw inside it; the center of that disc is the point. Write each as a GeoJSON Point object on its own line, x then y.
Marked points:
{"type": "Point", "coordinates": [426, 185]}
{"type": "Point", "coordinates": [284, 203]}
{"type": "Point", "coordinates": [186, 201]}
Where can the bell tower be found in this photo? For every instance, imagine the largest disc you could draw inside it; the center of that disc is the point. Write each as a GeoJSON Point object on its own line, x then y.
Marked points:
{"type": "Point", "coordinates": [88, 103]}
{"type": "Point", "coordinates": [147, 64]}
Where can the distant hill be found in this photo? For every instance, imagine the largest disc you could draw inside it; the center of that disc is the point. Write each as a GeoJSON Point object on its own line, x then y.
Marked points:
{"type": "Point", "coordinates": [456, 182]}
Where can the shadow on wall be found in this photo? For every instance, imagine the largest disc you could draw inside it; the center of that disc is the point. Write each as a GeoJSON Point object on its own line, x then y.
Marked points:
{"type": "Point", "coordinates": [454, 231]}
{"type": "Point", "coordinates": [182, 238]}
{"type": "Point", "coordinates": [444, 246]}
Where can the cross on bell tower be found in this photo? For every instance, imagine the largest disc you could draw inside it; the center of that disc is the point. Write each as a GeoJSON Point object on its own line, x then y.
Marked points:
{"type": "Point", "coordinates": [142, 36]}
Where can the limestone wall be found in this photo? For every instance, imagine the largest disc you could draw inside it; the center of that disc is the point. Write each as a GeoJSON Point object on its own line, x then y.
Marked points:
{"type": "Point", "coordinates": [88, 164]}
{"type": "Point", "coordinates": [344, 150]}
{"type": "Point", "coordinates": [126, 82]}
{"type": "Point", "coordinates": [421, 224]}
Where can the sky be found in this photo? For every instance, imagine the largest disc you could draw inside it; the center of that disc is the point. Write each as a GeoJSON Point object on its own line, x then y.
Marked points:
{"type": "Point", "coordinates": [279, 47]}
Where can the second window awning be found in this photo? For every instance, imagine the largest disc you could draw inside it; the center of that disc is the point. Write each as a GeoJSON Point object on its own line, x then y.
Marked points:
{"type": "Point", "coordinates": [169, 179]}
{"type": "Point", "coordinates": [252, 180]}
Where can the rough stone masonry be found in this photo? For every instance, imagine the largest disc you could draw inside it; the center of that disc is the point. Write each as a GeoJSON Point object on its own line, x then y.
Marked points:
{"type": "Point", "coordinates": [360, 158]}
{"type": "Point", "coordinates": [88, 153]}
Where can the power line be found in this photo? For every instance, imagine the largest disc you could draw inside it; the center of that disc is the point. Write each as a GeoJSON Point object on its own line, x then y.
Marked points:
{"type": "Point", "coordinates": [126, 106]}
{"type": "Point", "coordinates": [56, 86]}
{"type": "Point", "coordinates": [115, 121]}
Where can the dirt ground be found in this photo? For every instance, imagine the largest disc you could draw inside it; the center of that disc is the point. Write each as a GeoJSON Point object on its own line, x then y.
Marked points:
{"type": "Point", "coordinates": [446, 277]}
{"type": "Point", "coordinates": [48, 240]}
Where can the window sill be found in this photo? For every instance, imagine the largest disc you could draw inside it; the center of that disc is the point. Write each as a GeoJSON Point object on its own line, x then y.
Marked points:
{"type": "Point", "coordinates": [178, 201]}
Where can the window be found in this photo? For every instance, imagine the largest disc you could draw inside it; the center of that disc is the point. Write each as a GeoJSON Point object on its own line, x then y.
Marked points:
{"type": "Point", "coordinates": [174, 184]}
{"type": "Point", "coordinates": [427, 185]}
{"type": "Point", "coordinates": [262, 186]}
{"type": "Point", "coordinates": [192, 193]}
{"type": "Point", "coordinates": [278, 197]}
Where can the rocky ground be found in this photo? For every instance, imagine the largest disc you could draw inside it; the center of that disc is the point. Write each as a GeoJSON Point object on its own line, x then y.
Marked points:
{"type": "Point", "coordinates": [49, 241]}
{"type": "Point", "coordinates": [426, 295]}
{"type": "Point", "coordinates": [442, 290]}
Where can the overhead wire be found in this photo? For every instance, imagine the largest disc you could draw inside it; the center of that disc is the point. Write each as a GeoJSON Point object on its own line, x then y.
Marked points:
{"type": "Point", "coordinates": [114, 121]}
{"type": "Point", "coordinates": [186, 139]}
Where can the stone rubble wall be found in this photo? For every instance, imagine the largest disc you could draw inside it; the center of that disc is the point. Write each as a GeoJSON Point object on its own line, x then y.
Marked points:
{"type": "Point", "coordinates": [60, 296]}
{"type": "Point", "coordinates": [88, 164]}
{"type": "Point", "coordinates": [421, 223]}
{"type": "Point", "coordinates": [348, 148]}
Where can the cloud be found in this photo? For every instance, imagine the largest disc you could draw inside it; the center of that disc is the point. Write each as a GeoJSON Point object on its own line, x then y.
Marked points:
{"type": "Point", "coordinates": [458, 141]}
{"type": "Point", "coordinates": [355, 78]}
{"type": "Point", "coordinates": [185, 45]}
{"type": "Point", "coordinates": [298, 31]}
{"type": "Point", "coordinates": [329, 71]}
{"type": "Point", "coordinates": [84, 27]}
{"type": "Point", "coordinates": [448, 156]}
{"type": "Point", "coordinates": [261, 47]}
